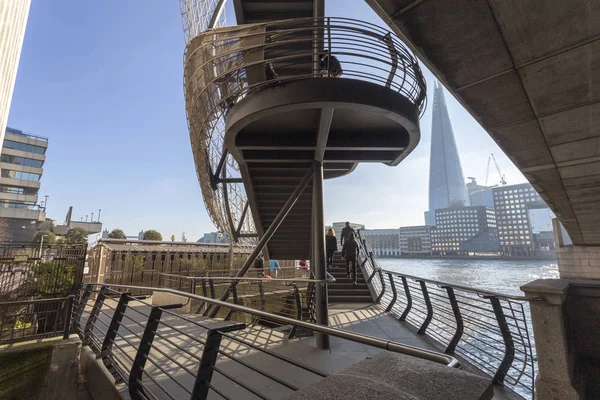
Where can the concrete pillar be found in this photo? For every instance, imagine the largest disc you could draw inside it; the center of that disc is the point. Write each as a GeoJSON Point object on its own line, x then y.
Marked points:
{"type": "Point", "coordinates": [575, 262]}
{"type": "Point", "coordinates": [548, 318]}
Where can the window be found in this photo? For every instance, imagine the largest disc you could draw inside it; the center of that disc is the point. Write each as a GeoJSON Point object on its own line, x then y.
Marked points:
{"type": "Point", "coordinates": [27, 162]}
{"type": "Point", "coordinates": [10, 189]}
{"type": "Point", "coordinates": [9, 144]}
{"type": "Point", "coordinates": [24, 176]}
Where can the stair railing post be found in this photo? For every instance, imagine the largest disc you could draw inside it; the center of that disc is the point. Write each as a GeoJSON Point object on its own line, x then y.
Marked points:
{"type": "Point", "coordinates": [320, 269]}
{"type": "Point", "coordinates": [457, 317]}
{"type": "Point", "coordinates": [136, 388]}
{"type": "Point", "coordinates": [207, 363]}
{"type": "Point", "coordinates": [298, 302]}
{"type": "Point", "coordinates": [113, 327]}
{"type": "Point", "coordinates": [509, 345]}
{"type": "Point", "coordinates": [408, 299]}
{"type": "Point", "coordinates": [429, 316]}
{"type": "Point", "coordinates": [382, 280]}
{"type": "Point", "coordinates": [394, 293]}
{"type": "Point", "coordinates": [85, 296]}
{"type": "Point", "coordinates": [89, 326]}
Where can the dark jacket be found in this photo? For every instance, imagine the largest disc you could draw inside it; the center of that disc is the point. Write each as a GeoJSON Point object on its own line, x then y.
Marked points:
{"type": "Point", "coordinates": [259, 263]}
{"type": "Point", "coordinates": [331, 243]}
{"type": "Point", "coordinates": [346, 233]}
{"type": "Point", "coordinates": [350, 249]}
{"type": "Point", "coordinates": [332, 65]}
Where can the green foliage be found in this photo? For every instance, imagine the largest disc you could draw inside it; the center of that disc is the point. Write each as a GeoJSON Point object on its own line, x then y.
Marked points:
{"type": "Point", "coordinates": [117, 234]}
{"type": "Point", "coordinates": [76, 236]}
{"type": "Point", "coordinates": [152, 235]}
{"type": "Point", "coordinates": [49, 237]}
{"type": "Point", "coordinates": [193, 264]}
{"type": "Point", "coordinates": [49, 278]}
{"type": "Point", "coordinates": [61, 240]}
{"type": "Point", "coordinates": [136, 263]}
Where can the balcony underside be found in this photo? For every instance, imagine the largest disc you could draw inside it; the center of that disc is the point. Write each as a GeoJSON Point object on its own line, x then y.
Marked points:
{"type": "Point", "coordinates": [276, 133]}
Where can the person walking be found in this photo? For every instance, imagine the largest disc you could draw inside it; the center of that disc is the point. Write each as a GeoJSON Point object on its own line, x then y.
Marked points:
{"type": "Point", "coordinates": [350, 255]}
{"type": "Point", "coordinates": [330, 246]}
{"type": "Point", "coordinates": [303, 268]}
{"type": "Point", "coordinates": [346, 232]}
{"type": "Point", "coordinates": [274, 267]}
{"type": "Point", "coordinates": [259, 266]}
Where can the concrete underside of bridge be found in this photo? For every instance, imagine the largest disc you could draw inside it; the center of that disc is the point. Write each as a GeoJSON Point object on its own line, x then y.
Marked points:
{"type": "Point", "coordinates": [529, 72]}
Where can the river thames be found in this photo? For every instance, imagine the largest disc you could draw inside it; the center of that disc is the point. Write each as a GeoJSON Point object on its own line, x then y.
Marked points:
{"type": "Point", "coordinates": [504, 276]}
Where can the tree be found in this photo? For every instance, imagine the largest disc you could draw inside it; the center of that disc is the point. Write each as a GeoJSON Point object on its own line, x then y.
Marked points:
{"type": "Point", "coordinates": [117, 234]}
{"type": "Point", "coordinates": [172, 238]}
{"type": "Point", "coordinates": [4, 235]}
{"type": "Point", "coordinates": [76, 236]}
{"type": "Point", "coordinates": [49, 237]}
{"type": "Point", "coordinates": [152, 235]}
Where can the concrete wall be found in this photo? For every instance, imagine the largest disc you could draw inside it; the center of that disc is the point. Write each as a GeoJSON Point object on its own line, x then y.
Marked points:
{"type": "Point", "coordinates": [575, 262]}
{"type": "Point", "coordinates": [45, 369]}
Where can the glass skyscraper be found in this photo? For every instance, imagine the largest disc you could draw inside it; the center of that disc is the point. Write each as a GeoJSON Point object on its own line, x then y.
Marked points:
{"type": "Point", "coordinates": [446, 182]}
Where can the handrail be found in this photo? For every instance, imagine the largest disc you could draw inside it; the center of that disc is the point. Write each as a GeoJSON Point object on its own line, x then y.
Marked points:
{"type": "Point", "coordinates": [490, 330]}
{"type": "Point", "coordinates": [485, 292]}
{"type": "Point", "coordinates": [389, 345]}
{"type": "Point", "coordinates": [329, 279]}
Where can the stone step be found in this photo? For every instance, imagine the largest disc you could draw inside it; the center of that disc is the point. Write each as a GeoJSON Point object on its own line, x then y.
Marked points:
{"type": "Point", "coordinates": [390, 375]}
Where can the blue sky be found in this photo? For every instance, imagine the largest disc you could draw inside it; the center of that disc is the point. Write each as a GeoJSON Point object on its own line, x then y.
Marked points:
{"type": "Point", "coordinates": [103, 80]}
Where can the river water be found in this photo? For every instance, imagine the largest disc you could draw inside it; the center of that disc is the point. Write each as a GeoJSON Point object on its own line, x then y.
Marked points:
{"type": "Point", "coordinates": [504, 276]}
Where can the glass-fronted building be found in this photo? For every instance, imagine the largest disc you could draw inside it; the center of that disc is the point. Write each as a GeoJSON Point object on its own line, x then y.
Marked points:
{"type": "Point", "coordinates": [464, 230]}
{"type": "Point", "coordinates": [513, 212]}
{"type": "Point", "coordinates": [446, 182]}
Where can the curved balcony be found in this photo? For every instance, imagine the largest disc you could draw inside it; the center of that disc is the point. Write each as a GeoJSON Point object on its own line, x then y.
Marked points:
{"type": "Point", "coordinates": [260, 99]}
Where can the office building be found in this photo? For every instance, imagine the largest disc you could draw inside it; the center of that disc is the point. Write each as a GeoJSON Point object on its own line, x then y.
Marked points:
{"type": "Point", "coordinates": [213, 237]}
{"type": "Point", "coordinates": [21, 162]}
{"type": "Point", "coordinates": [480, 195]}
{"type": "Point", "coordinates": [13, 20]}
{"type": "Point", "coordinates": [520, 211]}
{"type": "Point", "coordinates": [446, 183]}
{"type": "Point", "coordinates": [407, 240]}
{"type": "Point", "coordinates": [464, 230]}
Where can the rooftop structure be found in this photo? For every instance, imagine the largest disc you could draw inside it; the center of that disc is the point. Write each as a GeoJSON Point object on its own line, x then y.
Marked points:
{"type": "Point", "coordinates": [446, 182]}
{"type": "Point", "coordinates": [13, 21]}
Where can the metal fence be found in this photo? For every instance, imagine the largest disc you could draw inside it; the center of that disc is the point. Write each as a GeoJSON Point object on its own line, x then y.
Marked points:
{"type": "Point", "coordinates": [35, 319]}
{"type": "Point", "coordinates": [281, 296]}
{"type": "Point", "coordinates": [158, 353]}
{"type": "Point", "coordinates": [31, 271]}
{"type": "Point", "coordinates": [489, 330]}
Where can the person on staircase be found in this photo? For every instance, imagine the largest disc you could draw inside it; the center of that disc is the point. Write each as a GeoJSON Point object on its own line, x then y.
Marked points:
{"type": "Point", "coordinates": [259, 265]}
{"type": "Point", "coordinates": [350, 255]}
{"type": "Point", "coordinates": [346, 232]}
{"type": "Point", "coordinates": [330, 247]}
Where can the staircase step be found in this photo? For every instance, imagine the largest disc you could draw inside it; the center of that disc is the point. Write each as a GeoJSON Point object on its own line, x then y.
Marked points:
{"type": "Point", "coordinates": [349, 285]}
{"type": "Point", "coordinates": [350, 299]}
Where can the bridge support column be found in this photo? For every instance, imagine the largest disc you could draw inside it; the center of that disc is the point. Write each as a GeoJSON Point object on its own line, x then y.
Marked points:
{"type": "Point", "coordinates": [318, 253]}
{"type": "Point", "coordinates": [555, 369]}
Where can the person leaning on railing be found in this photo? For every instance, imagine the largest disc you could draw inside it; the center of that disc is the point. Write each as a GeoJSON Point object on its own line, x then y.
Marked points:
{"type": "Point", "coordinates": [330, 66]}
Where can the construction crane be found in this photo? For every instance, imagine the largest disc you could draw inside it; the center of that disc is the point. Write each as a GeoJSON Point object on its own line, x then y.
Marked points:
{"type": "Point", "coordinates": [487, 171]}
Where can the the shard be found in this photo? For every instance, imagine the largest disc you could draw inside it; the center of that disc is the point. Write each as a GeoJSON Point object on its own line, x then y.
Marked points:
{"type": "Point", "coordinates": [446, 183]}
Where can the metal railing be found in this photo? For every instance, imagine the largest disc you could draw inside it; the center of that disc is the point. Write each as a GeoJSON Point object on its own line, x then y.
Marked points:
{"type": "Point", "coordinates": [224, 65]}
{"type": "Point", "coordinates": [35, 319]}
{"type": "Point", "coordinates": [26, 135]}
{"type": "Point", "coordinates": [281, 296]}
{"type": "Point", "coordinates": [490, 330]}
{"type": "Point", "coordinates": [158, 353]}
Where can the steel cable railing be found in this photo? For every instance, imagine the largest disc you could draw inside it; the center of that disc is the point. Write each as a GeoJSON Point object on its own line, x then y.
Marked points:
{"type": "Point", "coordinates": [284, 296]}
{"type": "Point", "coordinates": [158, 353]}
{"type": "Point", "coordinates": [491, 331]}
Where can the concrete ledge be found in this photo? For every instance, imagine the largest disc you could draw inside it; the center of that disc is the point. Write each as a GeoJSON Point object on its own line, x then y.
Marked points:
{"type": "Point", "coordinates": [189, 306]}
{"type": "Point", "coordinates": [396, 376]}
{"type": "Point", "coordinates": [100, 383]}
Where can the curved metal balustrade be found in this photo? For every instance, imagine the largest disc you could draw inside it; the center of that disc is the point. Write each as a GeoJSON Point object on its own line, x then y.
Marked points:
{"type": "Point", "coordinates": [489, 330]}
{"type": "Point", "coordinates": [224, 65]}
